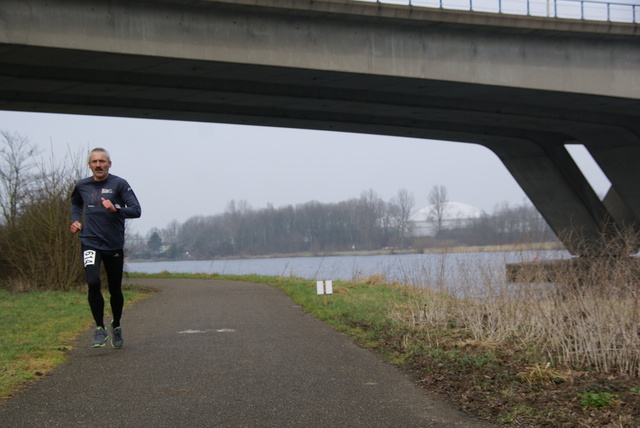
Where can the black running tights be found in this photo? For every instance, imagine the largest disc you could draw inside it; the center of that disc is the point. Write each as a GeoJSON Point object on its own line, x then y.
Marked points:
{"type": "Point", "coordinates": [113, 265]}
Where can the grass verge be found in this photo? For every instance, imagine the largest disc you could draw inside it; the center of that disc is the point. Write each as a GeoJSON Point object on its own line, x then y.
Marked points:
{"type": "Point", "coordinates": [37, 330]}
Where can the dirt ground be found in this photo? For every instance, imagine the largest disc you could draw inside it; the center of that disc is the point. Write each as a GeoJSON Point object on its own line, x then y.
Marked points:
{"type": "Point", "coordinates": [510, 393]}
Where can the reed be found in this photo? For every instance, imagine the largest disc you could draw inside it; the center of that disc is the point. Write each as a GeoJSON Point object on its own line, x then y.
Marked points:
{"type": "Point", "coordinates": [589, 316]}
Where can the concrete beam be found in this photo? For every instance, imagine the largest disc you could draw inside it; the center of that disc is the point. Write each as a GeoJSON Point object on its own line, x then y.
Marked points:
{"type": "Point", "coordinates": [521, 86]}
{"type": "Point", "coordinates": [344, 36]}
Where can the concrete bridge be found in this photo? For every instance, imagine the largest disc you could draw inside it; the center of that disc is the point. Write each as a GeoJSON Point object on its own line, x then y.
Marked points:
{"type": "Point", "coordinates": [522, 86]}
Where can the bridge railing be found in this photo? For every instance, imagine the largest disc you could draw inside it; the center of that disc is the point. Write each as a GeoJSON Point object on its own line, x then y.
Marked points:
{"type": "Point", "coordinates": [562, 9]}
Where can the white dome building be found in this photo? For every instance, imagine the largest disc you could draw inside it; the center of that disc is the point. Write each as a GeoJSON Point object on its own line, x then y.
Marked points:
{"type": "Point", "coordinates": [455, 214]}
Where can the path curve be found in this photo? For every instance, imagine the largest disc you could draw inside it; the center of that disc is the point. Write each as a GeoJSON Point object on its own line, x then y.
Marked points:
{"type": "Point", "coordinates": [210, 353]}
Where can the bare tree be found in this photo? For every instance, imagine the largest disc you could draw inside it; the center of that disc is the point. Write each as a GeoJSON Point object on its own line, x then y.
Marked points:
{"type": "Point", "coordinates": [371, 213]}
{"type": "Point", "coordinates": [403, 204]}
{"type": "Point", "coordinates": [170, 233]}
{"type": "Point", "coordinates": [438, 201]}
{"type": "Point", "coordinates": [17, 167]}
{"type": "Point", "coordinates": [234, 219]}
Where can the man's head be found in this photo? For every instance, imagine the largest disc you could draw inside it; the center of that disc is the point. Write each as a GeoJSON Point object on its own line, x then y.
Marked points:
{"type": "Point", "coordinates": [99, 163]}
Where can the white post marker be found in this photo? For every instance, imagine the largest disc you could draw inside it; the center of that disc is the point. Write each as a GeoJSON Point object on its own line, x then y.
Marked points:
{"type": "Point", "coordinates": [324, 288]}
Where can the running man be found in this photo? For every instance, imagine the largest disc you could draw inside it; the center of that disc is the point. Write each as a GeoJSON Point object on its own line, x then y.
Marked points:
{"type": "Point", "coordinates": [106, 201]}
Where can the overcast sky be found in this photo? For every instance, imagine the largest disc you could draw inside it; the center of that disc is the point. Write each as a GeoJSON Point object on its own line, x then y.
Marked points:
{"type": "Point", "coordinates": [182, 169]}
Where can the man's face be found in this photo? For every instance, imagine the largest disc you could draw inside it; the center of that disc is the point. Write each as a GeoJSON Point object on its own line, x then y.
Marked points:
{"type": "Point", "coordinates": [99, 165]}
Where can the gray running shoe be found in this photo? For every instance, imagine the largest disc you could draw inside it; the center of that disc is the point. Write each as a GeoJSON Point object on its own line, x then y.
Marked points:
{"type": "Point", "coordinates": [116, 337]}
{"type": "Point", "coordinates": [99, 337]}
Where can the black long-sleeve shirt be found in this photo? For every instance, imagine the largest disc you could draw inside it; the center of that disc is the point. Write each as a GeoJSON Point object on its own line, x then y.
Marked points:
{"type": "Point", "coordinates": [103, 229]}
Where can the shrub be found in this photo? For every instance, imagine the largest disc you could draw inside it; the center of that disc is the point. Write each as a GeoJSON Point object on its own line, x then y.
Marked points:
{"type": "Point", "coordinates": [38, 251]}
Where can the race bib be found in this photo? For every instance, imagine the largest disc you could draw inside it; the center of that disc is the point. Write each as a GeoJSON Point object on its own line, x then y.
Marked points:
{"type": "Point", "coordinates": [89, 258]}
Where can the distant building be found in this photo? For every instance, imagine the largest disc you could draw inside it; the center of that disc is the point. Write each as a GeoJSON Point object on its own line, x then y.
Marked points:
{"type": "Point", "coordinates": [456, 214]}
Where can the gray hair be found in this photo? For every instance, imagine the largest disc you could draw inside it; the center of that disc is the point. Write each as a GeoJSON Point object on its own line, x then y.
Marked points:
{"type": "Point", "coordinates": [99, 149]}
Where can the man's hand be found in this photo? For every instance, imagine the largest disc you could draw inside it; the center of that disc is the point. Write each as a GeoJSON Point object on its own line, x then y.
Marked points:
{"type": "Point", "coordinates": [76, 226]}
{"type": "Point", "coordinates": [108, 205]}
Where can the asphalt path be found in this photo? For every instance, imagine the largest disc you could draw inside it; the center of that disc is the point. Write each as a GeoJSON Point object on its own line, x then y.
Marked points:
{"type": "Point", "coordinates": [225, 354]}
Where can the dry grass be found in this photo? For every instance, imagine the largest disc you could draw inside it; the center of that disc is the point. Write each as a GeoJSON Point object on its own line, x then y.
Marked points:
{"type": "Point", "coordinates": [529, 352]}
{"type": "Point", "coordinates": [538, 373]}
{"type": "Point", "coordinates": [581, 312]}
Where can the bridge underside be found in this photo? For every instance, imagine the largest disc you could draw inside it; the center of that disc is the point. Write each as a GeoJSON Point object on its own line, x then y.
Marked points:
{"type": "Point", "coordinates": [526, 128]}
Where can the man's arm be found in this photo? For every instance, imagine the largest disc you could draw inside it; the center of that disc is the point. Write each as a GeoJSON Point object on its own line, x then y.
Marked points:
{"type": "Point", "coordinates": [132, 207]}
{"type": "Point", "coordinates": [76, 210]}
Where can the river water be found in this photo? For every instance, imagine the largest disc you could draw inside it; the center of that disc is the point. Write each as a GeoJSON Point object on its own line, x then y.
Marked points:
{"type": "Point", "coordinates": [449, 270]}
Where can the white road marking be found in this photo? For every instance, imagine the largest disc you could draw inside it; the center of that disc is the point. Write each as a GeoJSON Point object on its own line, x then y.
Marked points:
{"type": "Point", "coordinates": [223, 330]}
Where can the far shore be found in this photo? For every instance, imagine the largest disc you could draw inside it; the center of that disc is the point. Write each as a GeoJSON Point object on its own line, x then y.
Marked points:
{"type": "Point", "coordinates": [444, 249]}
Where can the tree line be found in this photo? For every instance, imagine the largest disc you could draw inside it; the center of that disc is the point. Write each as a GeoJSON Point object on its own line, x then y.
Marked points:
{"type": "Point", "coordinates": [365, 223]}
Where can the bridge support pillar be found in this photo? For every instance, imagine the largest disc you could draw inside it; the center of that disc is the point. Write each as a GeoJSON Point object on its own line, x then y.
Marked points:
{"type": "Point", "coordinates": [621, 165]}
{"type": "Point", "coordinates": [544, 169]}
